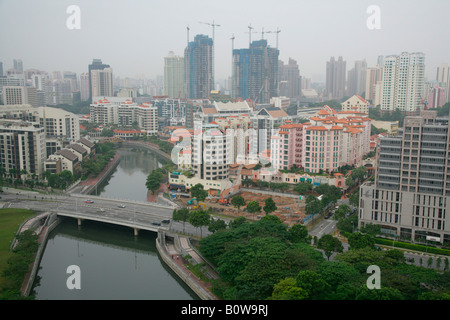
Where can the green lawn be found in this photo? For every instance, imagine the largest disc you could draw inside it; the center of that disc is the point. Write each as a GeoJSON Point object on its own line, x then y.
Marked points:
{"type": "Point", "coordinates": [10, 221]}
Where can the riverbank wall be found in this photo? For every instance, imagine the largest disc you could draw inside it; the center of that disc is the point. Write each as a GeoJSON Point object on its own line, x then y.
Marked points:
{"type": "Point", "coordinates": [50, 223]}
{"type": "Point", "coordinates": [172, 258]}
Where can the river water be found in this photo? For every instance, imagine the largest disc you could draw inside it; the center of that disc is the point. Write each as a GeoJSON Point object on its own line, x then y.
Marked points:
{"type": "Point", "coordinates": [114, 264]}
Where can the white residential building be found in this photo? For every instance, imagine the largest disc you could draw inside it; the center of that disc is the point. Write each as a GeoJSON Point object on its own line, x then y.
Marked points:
{"type": "Point", "coordinates": [403, 82]}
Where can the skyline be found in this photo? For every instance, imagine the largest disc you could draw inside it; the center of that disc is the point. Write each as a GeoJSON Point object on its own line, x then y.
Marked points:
{"type": "Point", "coordinates": [127, 35]}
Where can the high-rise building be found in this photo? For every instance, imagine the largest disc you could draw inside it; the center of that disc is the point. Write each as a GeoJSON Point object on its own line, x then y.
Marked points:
{"type": "Point", "coordinates": [356, 79]}
{"type": "Point", "coordinates": [289, 80]}
{"type": "Point", "coordinates": [174, 76]}
{"type": "Point", "coordinates": [1, 69]}
{"type": "Point", "coordinates": [443, 79]}
{"type": "Point", "coordinates": [403, 82]}
{"type": "Point", "coordinates": [22, 146]}
{"type": "Point", "coordinates": [18, 65]}
{"type": "Point", "coordinates": [84, 86]}
{"type": "Point", "coordinates": [373, 75]}
{"type": "Point", "coordinates": [436, 97]}
{"type": "Point", "coordinates": [411, 192]}
{"type": "Point", "coordinates": [14, 95]}
{"type": "Point", "coordinates": [335, 78]}
{"type": "Point", "coordinates": [102, 83]}
{"type": "Point", "coordinates": [255, 72]}
{"type": "Point", "coordinates": [199, 78]}
{"type": "Point", "coordinates": [95, 65]}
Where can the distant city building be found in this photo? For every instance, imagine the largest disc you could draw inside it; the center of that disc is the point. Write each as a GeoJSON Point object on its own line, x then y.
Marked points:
{"type": "Point", "coordinates": [443, 79]}
{"type": "Point", "coordinates": [102, 82]}
{"type": "Point", "coordinates": [198, 64]}
{"type": "Point", "coordinates": [289, 79]}
{"type": "Point", "coordinates": [18, 65]}
{"type": "Point", "coordinates": [84, 86]}
{"type": "Point", "coordinates": [403, 82]}
{"type": "Point", "coordinates": [356, 78]}
{"type": "Point", "coordinates": [436, 97]}
{"type": "Point", "coordinates": [95, 65]}
{"type": "Point", "coordinates": [335, 79]}
{"type": "Point", "coordinates": [174, 76]}
{"type": "Point", "coordinates": [373, 76]}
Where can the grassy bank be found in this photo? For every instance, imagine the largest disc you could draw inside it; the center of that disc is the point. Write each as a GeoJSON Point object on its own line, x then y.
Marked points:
{"type": "Point", "coordinates": [10, 221]}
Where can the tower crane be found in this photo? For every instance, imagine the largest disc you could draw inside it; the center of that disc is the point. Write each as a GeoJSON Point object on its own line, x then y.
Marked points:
{"type": "Point", "coordinates": [424, 102]}
{"type": "Point", "coordinates": [277, 32]}
{"type": "Point", "coordinates": [213, 25]}
{"type": "Point", "coordinates": [250, 28]}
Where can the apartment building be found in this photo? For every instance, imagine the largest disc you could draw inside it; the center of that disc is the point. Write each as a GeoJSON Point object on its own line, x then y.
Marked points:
{"type": "Point", "coordinates": [411, 193]}
{"type": "Point", "coordinates": [356, 103]}
{"type": "Point", "coordinates": [287, 146]}
{"type": "Point", "coordinates": [22, 146]}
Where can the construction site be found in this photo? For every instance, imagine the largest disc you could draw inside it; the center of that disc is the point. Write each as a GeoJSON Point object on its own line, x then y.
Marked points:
{"type": "Point", "coordinates": [290, 208]}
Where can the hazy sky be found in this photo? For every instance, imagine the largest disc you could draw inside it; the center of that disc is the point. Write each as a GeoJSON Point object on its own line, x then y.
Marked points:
{"type": "Point", "coordinates": [134, 36]}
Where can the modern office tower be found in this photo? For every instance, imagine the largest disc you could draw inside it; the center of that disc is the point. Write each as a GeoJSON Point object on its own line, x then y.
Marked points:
{"type": "Point", "coordinates": [1, 69]}
{"type": "Point", "coordinates": [14, 95]}
{"type": "Point", "coordinates": [373, 75]}
{"type": "Point", "coordinates": [102, 83]}
{"type": "Point", "coordinates": [22, 146]}
{"type": "Point", "coordinates": [335, 78]}
{"type": "Point", "coordinates": [380, 61]}
{"type": "Point", "coordinates": [95, 65]}
{"type": "Point", "coordinates": [174, 76]}
{"type": "Point", "coordinates": [18, 65]}
{"type": "Point", "coordinates": [443, 79]}
{"type": "Point", "coordinates": [289, 80]}
{"type": "Point", "coordinates": [58, 92]}
{"type": "Point", "coordinates": [410, 196]}
{"type": "Point", "coordinates": [84, 86]}
{"type": "Point", "coordinates": [199, 78]}
{"type": "Point", "coordinates": [255, 72]}
{"type": "Point", "coordinates": [403, 82]}
{"type": "Point", "coordinates": [356, 79]}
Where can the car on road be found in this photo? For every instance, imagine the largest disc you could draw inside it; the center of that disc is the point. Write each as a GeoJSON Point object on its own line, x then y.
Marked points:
{"type": "Point", "coordinates": [101, 210]}
{"type": "Point", "coordinates": [89, 201]}
{"type": "Point", "coordinates": [121, 205]}
{"type": "Point", "coordinates": [165, 221]}
{"type": "Point", "coordinates": [156, 223]}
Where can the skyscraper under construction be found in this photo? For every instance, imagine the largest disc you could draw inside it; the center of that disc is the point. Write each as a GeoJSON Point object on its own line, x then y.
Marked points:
{"type": "Point", "coordinates": [198, 62]}
{"type": "Point", "coordinates": [255, 72]}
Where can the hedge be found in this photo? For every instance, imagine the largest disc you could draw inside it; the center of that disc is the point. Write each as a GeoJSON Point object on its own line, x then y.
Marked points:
{"type": "Point", "coordinates": [412, 246]}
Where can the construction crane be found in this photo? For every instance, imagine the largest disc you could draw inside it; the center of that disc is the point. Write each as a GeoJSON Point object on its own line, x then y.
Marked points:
{"type": "Point", "coordinates": [187, 28]}
{"type": "Point", "coordinates": [250, 34]}
{"type": "Point", "coordinates": [277, 32]}
{"type": "Point", "coordinates": [424, 102]}
{"type": "Point", "coordinates": [213, 25]}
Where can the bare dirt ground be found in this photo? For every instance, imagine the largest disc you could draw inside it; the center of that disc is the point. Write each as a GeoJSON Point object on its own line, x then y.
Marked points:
{"type": "Point", "coordinates": [290, 210]}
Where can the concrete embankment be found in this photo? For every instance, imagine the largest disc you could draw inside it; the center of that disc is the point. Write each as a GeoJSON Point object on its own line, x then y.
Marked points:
{"type": "Point", "coordinates": [171, 255]}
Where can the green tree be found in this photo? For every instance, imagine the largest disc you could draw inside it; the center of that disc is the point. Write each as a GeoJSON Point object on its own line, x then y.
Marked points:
{"type": "Point", "coordinates": [198, 192]}
{"type": "Point", "coordinates": [153, 182]}
{"type": "Point", "coordinates": [238, 202]}
{"type": "Point", "coordinates": [360, 240]}
{"type": "Point", "coordinates": [237, 222]}
{"type": "Point", "coordinates": [287, 289]}
{"type": "Point", "coordinates": [302, 187]}
{"type": "Point", "coordinates": [269, 206]}
{"type": "Point", "coordinates": [181, 215]}
{"type": "Point", "coordinates": [216, 225]}
{"type": "Point", "coordinates": [330, 244]}
{"type": "Point", "coordinates": [253, 207]}
{"type": "Point", "coordinates": [313, 283]}
{"type": "Point", "coordinates": [313, 205]}
{"type": "Point", "coordinates": [199, 218]}
{"type": "Point", "coordinates": [298, 233]}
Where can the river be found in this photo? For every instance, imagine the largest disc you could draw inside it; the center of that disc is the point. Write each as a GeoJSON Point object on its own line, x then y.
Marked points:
{"type": "Point", "coordinates": [113, 263]}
